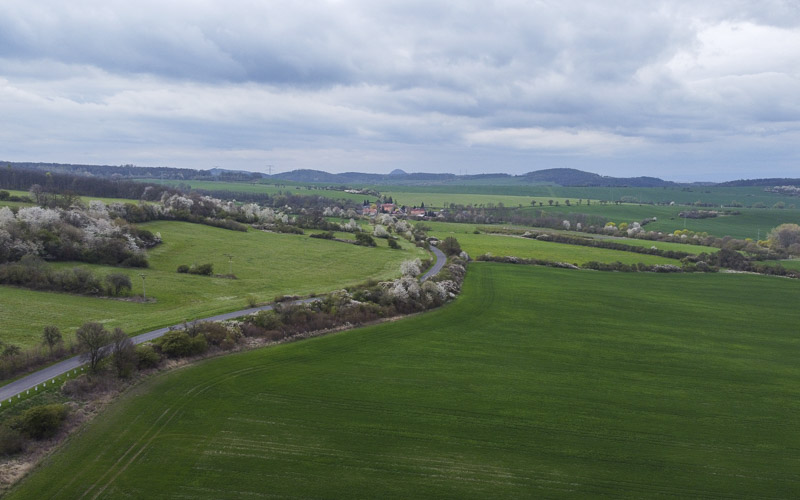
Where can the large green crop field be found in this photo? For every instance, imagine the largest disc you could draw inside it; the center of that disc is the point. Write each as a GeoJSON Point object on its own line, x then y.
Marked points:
{"type": "Point", "coordinates": [265, 264]}
{"type": "Point", "coordinates": [536, 382]}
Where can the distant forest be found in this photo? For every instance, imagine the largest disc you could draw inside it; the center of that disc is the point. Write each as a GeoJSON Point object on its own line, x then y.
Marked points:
{"type": "Point", "coordinates": [567, 177]}
{"type": "Point", "coordinates": [133, 171]}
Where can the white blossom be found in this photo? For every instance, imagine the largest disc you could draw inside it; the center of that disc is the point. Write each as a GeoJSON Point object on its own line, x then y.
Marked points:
{"type": "Point", "coordinates": [38, 217]}
{"type": "Point", "coordinates": [411, 267]}
{"type": "Point", "coordinates": [405, 289]}
{"type": "Point", "coordinates": [380, 232]}
{"type": "Point", "coordinates": [7, 217]}
{"type": "Point", "coordinates": [98, 209]}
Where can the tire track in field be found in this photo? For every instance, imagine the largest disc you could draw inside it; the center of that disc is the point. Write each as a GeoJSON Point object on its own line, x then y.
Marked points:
{"type": "Point", "coordinates": [155, 430]}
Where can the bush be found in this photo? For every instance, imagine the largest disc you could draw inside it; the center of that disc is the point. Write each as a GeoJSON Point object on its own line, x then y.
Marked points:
{"type": "Point", "coordinates": [117, 283]}
{"type": "Point", "coordinates": [268, 320]}
{"type": "Point", "coordinates": [450, 246]}
{"type": "Point", "coordinates": [178, 344]}
{"type": "Point", "coordinates": [252, 301]}
{"type": "Point", "coordinates": [183, 268]}
{"type": "Point", "coordinates": [11, 441]}
{"type": "Point", "coordinates": [42, 422]}
{"type": "Point", "coordinates": [364, 239]}
{"type": "Point", "coordinates": [203, 269]}
{"type": "Point", "coordinates": [325, 236]}
{"type": "Point", "coordinates": [88, 387]}
{"type": "Point", "coordinates": [215, 333]}
{"type": "Point", "coordinates": [393, 244]}
{"type": "Point", "coordinates": [136, 260]}
{"type": "Point", "coordinates": [147, 357]}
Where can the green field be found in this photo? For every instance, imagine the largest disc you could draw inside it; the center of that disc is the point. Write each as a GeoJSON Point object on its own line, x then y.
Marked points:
{"type": "Point", "coordinates": [271, 189]}
{"type": "Point", "coordinates": [747, 196]}
{"type": "Point", "coordinates": [661, 245]}
{"type": "Point", "coordinates": [444, 229]}
{"type": "Point", "coordinates": [537, 382]}
{"type": "Point", "coordinates": [501, 245]}
{"type": "Point", "coordinates": [438, 200]}
{"type": "Point", "coordinates": [266, 265]}
{"type": "Point", "coordinates": [787, 263]}
{"type": "Point", "coordinates": [750, 223]}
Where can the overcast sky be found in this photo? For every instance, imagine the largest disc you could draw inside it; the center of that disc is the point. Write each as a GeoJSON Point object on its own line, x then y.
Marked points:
{"type": "Point", "coordinates": [683, 90]}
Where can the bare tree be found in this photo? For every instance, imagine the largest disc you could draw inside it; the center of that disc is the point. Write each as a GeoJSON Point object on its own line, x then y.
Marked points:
{"type": "Point", "coordinates": [117, 282]}
{"type": "Point", "coordinates": [92, 337]}
{"type": "Point", "coordinates": [51, 337]}
{"type": "Point", "coordinates": [123, 353]}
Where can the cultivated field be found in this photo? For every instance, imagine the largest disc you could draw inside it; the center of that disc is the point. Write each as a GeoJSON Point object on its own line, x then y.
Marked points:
{"type": "Point", "coordinates": [536, 382]}
{"type": "Point", "coordinates": [750, 223]}
{"type": "Point", "coordinates": [747, 196]}
{"type": "Point", "coordinates": [501, 245]}
{"type": "Point", "coordinates": [457, 230]}
{"type": "Point", "coordinates": [266, 265]}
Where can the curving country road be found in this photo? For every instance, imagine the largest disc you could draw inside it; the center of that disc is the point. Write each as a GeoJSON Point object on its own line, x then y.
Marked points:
{"type": "Point", "coordinates": [47, 374]}
{"type": "Point", "coordinates": [441, 260]}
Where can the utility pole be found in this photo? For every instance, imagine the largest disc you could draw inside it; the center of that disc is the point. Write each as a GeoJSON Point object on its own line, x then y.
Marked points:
{"type": "Point", "coordinates": [144, 291]}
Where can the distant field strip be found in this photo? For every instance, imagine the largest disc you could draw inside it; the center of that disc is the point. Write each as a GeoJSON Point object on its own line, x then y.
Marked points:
{"type": "Point", "coordinates": [527, 248]}
{"type": "Point", "coordinates": [536, 382]}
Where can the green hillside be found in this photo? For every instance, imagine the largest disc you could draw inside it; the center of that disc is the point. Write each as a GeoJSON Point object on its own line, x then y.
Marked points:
{"type": "Point", "coordinates": [265, 264]}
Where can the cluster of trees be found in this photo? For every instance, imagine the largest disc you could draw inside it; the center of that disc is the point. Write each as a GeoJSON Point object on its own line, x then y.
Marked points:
{"type": "Point", "coordinates": [91, 235]}
{"type": "Point", "coordinates": [32, 272]}
{"type": "Point", "coordinates": [597, 266]}
{"type": "Point", "coordinates": [731, 259]}
{"type": "Point", "coordinates": [701, 214]}
{"type": "Point", "coordinates": [785, 238]}
{"type": "Point", "coordinates": [38, 181]}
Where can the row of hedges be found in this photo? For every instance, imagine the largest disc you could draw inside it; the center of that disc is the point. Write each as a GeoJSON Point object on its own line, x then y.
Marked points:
{"type": "Point", "coordinates": [588, 242]}
{"type": "Point", "coordinates": [32, 272]}
{"type": "Point", "coordinates": [597, 266]}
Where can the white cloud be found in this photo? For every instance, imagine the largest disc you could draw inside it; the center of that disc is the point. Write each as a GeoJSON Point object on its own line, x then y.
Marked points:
{"type": "Point", "coordinates": [558, 140]}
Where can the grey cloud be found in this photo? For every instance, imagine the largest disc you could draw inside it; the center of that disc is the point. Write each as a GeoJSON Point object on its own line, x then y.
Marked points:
{"type": "Point", "coordinates": [405, 81]}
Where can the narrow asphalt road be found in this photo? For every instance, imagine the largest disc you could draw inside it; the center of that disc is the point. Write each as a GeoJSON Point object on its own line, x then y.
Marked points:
{"type": "Point", "coordinates": [440, 262]}
{"type": "Point", "coordinates": [47, 374]}
{"type": "Point", "coordinates": [9, 391]}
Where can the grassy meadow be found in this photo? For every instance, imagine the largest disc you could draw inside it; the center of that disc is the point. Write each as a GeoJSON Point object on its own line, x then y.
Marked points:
{"type": "Point", "coordinates": [265, 264]}
{"type": "Point", "coordinates": [536, 382]}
